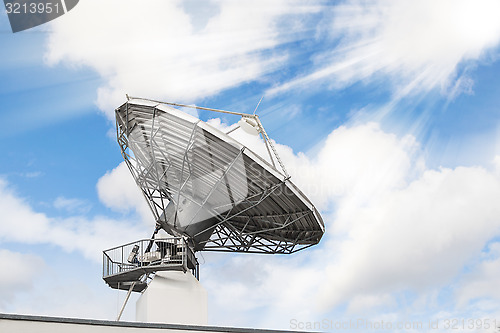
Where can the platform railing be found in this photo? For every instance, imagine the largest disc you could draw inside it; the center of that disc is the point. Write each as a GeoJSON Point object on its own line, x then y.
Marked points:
{"type": "Point", "coordinates": [150, 255]}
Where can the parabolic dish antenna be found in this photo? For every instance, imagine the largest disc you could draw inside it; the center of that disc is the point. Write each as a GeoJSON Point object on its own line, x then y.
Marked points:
{"type": "Point", "coordinates": [207, 190]}
{"type": "Point", "coordinates": [202, 184]}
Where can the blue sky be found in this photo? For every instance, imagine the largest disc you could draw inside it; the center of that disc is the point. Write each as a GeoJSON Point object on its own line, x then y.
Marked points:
{"type": "Point", "coordinates": [385, 112]}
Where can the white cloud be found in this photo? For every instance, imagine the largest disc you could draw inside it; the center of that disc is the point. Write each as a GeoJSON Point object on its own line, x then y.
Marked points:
{"type": "Point", "coordinates": [64, 294]}
{"type": "Point", "coordinates": [156, 51]}
{"type": "Point", "coordinates": [38, 284]}
{"type": "Point", "coordinates": [34, 174]}
{"type": "Point", "coordinates": [19, 273]}
{"type": "Point", "coordinates": [482, 281]}
{"type": "Point", "coordinates": [358, 162]}
{"type": "Point", "coordinates": [118, 191]}
{"type": "Point", "coordinates": [496, 162]}
{"type": "Point", "coordinates": [416, 238]}
{"type": "Point", "coordinates": [21, 224]}
{"type": "Point", "coordinates": [394, 227]}
{"type": "Point", "coordinates": [370, 302]}
{"type": "Point", "coordinates": [55, 283]}
{"type": "Point", "coordinates": [418, 45]}
{"type": "Point", "coordinates": [260, 291]}
{"type": "Point", "coordinates": [73, 205]}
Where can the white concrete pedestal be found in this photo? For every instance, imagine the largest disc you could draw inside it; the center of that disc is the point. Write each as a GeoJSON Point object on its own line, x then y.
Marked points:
{"type": "Point", "coordinates": [173, 297]}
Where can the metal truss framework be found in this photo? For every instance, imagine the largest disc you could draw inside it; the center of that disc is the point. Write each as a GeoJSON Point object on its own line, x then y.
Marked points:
{"type": "Point", "coordinates": [265, 212]}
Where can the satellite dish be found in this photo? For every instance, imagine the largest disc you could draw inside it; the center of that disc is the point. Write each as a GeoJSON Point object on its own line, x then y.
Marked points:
{"type": "Point", "coordinates": [207, 190]}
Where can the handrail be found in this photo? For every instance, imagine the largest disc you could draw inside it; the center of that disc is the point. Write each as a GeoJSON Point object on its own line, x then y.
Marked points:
{"type": "Point", "coordinates": [165, 254]}
{"type": "Point", "coordinates": [140, 240]}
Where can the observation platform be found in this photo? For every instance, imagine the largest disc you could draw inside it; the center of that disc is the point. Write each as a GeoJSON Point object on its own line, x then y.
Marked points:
{"type": "Point", "coordinates": [129, 266]}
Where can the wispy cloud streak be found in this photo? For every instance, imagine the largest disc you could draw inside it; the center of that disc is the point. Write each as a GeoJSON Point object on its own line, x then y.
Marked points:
{"type": "Point", "coordinates": [413, 46]}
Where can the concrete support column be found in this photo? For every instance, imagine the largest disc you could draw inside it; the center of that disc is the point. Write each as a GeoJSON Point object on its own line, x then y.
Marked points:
{"type": "Point", "coordinates": [173, 297]}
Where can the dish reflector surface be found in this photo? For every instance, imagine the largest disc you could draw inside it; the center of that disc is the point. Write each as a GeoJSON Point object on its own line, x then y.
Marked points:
{"type": "Point", "coordinates": [202, 184]}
